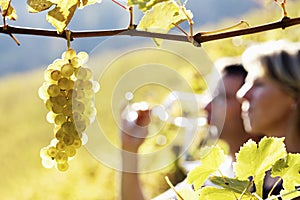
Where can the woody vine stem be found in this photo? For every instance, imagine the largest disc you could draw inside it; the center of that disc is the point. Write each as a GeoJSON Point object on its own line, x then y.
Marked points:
{"type": "Point", "coordinates": [198, 38]}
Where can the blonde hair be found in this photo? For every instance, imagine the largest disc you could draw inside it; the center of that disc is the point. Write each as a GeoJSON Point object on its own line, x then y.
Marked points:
{"type": "Point", "coordinates": [280, 61]}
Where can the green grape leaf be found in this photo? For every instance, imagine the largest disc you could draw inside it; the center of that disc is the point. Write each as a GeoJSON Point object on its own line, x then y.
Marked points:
{"type": "Point", "coordinates": [289, 170]}
{"type": "Point", "coordinates": [34, 6]}
{"type": "Point", "coordinates": [144, 5]}
{"type": "Point", "coordinates": [209, 164]}
{"type": "Point", "coordinates": [162, 17]}
{"type": "Point", "coordinates": [254, 160]}
{"type": "Point", "coordinates": [61, 15]}
{"type": "Point", "coordinates": [213, 193]}
{"type": "Point", "coordinates": [7, 10]}
{"type": "Point", "coordinates": [234, 185]}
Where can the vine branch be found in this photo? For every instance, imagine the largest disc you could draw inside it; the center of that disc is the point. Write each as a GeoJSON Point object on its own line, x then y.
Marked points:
{"type": "Point", "coordinates": [200, 37]}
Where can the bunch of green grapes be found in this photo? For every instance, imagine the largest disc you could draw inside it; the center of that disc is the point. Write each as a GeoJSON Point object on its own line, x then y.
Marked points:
{"type": "Point", "coordinates": [68, 93]}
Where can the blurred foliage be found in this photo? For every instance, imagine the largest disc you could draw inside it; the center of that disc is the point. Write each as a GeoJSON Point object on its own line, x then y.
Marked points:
{"type": "Point", "coordinates": [236, 45]}
{"type": "Point", "coordinates": [24, 130]}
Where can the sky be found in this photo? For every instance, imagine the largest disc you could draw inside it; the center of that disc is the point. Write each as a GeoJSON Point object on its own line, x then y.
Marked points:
{"type": "Point", "coordinates": [39, 51]}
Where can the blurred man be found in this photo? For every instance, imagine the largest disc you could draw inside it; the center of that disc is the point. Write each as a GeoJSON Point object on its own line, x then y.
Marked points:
{"type": "Point", "coordinates": [224, 111]}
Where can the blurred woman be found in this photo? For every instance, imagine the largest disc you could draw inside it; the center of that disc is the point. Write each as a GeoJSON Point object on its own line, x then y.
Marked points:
{"type": "Point", "coordinates": [271, 94]}
{"type": "Point", "coordinates": [272, 90]}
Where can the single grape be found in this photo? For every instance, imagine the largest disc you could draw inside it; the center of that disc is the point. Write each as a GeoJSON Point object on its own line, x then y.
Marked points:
{"type": "Point", "coordinates": [79, 84]}
{"type": "Point", "coordinates": [59, 134]}
{"type": "Point", "coordinates": [57, 109]}
{"type": "Point", "coordinates": [61, 146]}
{"type": "Point", "coordinates": [47, 75]}
{"type": "Point", "coordinates": [60, 119]}
{"type": "Point", "coordinates": [52, 151]}
{"type": "Point", "coordinates": [53, 90]}
{"type": "Point", "coordinates": [63, 166]}
{"type": "Point", "coordinates": [87, 85]}
{"type": "Point", "coordinates": [90, 112]}
{"type": "Point", "coordinates": [48, 104]}
{"type": "Point", "coordinates": [61, 157]}
{"type": "Point", "coordinates": [67, 111]}
{"type": "Point", "coordinates": [55, 75]}
{"type": "Point", "coordinates": [58, 63]}
{"type": "Point", "coordinates": [78, 106]}
{"type": "Point", "coordinates": [60, 100]}
{"type": "Point", "coordinates": [88, 74]}
{"type": "Point", "coordinates": [77, 143]}
{"type": "Point", "coordinates": [86, 120]}
{"type": "Point", "coordinates": [52, 66]}
{"type": "Point", "coordinates": [76, 117]}
{"type": "Point", "coordinates": [67, 70]}
{"type": "Point", "coordinates": [89, 93]}
{"type": "Point", "coordinates": [42, 92]}
{"type": "Point", "coordinates": [75, 62]}
{"type": "Point", "coordinates": [44, 152]}
{"type": "Point", "coordinates": [80, 94]}
{"type": "Point", "coordinates": [68, 127]}
{"type": "Point", "coordinates": [68, 139]}
{"type": "Point", "coordinates": [50, 117]}
{"type": "Point", "coordinates": [83, 57]}
{"type": "Point", "coordinates": [70, 151]}
{"type": "Point", "coordinates": [80, 126]}
{"type": "Point", "coordinates": [65, 83]}
{"type": "Point", "coordinates": [81, 73]}
{"type": "Point", "coordinates": [69, 54]}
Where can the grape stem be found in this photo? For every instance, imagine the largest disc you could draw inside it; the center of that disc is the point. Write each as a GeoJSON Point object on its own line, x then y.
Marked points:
{"type": "Point", "coordinates": [4, 14]}
{"type": "Point", "coordinates": [277, 182]}
{"type": "Point", "coordinates": [235, 26]}
{"type": "Point", "coordinates": [246, 189]}
{"type": "Point", "coordinates": [173, 188]}
{"type": "Point", "coordinates": [282, 5]}
{"type": "Point", "coordinates": [130, 10]}
{"type": "Point", "coordinates": [200, 37]}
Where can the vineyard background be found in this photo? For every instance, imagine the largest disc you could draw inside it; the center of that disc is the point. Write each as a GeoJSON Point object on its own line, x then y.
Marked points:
{"type": "Point", "coordinates": [24, 129]}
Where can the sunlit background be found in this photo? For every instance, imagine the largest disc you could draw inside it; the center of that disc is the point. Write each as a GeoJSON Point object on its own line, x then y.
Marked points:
{"type": "Point", "coordinates": [24, 130]}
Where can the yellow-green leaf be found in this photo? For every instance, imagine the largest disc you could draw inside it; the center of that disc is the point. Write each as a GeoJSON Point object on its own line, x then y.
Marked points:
{"type": "Point", "coordinates": [34, 6]}
{"type": "Point", "coordinates": [289, 170]}
{"type": "Point", "coordinates": [232, 184]}
{"type": "Point", "coordinates": [62, 14]}
{"type": "Point", "coordinates": [7, 10]}
{"type": "Point", "coordinates": [144, 5]}
{"type": "Point", "coordinates": [254, 160]}
{"type": "Point", "coordinates": [209, 164]}
{"type": "Point", "coordinates": [162, 17]}
{"type": "Point", "coordinates": [213, 193]}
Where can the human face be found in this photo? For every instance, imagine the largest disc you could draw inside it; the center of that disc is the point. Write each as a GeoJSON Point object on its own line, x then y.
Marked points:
{"type": "Point", "coordinates": [270, 107]}
{"type": "Point", "coordinates": [224, 111]}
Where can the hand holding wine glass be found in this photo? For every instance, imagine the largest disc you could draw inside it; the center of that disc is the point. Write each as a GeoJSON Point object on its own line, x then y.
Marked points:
{"type": "Point", "coordinates": [134, 132]}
